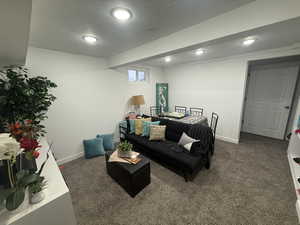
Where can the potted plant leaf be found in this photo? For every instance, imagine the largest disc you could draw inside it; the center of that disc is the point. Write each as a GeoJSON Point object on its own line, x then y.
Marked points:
{"type": "Point", "coordinates": [125, 149]}
{"type": "Point", "coordinates": [36, 188]}
{"type": "Point", "coordinates": [14, 197]}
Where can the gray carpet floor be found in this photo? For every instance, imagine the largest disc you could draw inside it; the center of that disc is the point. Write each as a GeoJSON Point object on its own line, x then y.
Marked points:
{"type": "Point", "coordinates": [249, 183]}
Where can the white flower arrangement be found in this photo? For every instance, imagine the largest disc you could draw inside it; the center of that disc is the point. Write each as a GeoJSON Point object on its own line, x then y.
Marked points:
{"type": "Point", "coordinates": [9, 147]}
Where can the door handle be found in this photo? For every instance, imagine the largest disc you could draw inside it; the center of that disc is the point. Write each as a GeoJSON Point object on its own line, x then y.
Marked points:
{"type": "Point", "coordinates": [287, 107]}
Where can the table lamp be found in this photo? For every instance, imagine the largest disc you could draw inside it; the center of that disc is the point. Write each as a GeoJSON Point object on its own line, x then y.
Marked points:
{"type": "Point", "coordinates": [138, 100]}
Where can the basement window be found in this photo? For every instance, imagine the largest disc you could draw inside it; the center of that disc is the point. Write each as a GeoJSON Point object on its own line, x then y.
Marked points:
{"type": "Point", "coordinates": [135, 75]}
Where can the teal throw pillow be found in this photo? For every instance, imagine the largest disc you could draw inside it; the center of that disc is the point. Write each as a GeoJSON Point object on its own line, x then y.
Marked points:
{"type": "Point", "coordinates": [146, 127]}
{"type": "Point", "coordinates": [132, 126]}
{"type": "Point", "coordinates": [93, 148]}
{"type": "Point", "coordinates": [107, 141]}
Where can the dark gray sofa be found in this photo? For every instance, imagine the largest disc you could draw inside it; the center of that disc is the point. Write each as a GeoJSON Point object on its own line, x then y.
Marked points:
{"type": "Point", "coordinates": [170, 154]}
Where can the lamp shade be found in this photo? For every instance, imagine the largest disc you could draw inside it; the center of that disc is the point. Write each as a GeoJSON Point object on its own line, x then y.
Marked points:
{"type": "Point", "coordinates": [138, 100]}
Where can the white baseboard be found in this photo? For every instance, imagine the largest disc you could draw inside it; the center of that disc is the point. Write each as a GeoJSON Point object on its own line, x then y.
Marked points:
{"type": "Point", "coordinates": [80, 154]}
{"type": "Point", "coordinates": [69, 158]}
{"type": "Point", "coordinates": [231, 140]}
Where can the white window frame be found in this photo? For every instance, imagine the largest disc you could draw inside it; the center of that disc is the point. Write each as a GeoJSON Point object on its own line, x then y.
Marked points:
{"type": "Point", "coordinates": [137, 70]}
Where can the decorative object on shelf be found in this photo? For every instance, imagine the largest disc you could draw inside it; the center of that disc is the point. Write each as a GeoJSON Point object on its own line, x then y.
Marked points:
{"type": "Point", "coordinates": [36, 193]}
{"type": "Point", "coordinates": [9, 149]}
{"type": "Point", "coordinates": [26, 100]}
{"type": "Point", "coordinates": [125, 149]}
{"type": "Point", "coordinates": [137, 101]}
{"type": "Point", "coordinates": [13, 197]}
{"type": "Point", "coordinates": [27, 134]}
{"type": "Point", "coordinates": [162, 96]}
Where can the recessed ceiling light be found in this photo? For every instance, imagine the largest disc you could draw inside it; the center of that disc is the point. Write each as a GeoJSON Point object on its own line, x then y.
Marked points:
{"type": "Point", "coordinates": [248, 41]}
{"type": "Point", "coordinates": [90, 39]}
{"type": "Point", "coordinates": [121, 14]}
{"type": "Point", "coordinates": [199, 52]}
{"type": "Point", "coordinates": [168, 59]}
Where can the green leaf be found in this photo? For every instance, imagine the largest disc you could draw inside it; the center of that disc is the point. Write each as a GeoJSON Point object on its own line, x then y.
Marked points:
{"type": "Point", "coordinates": [29, 179]}
{"type": "Point", "coordinates": [4, 193]}
{"type": "Point", "coordinates": [15, 199]}
{"type": "Point", "coordinates": [21, 174]}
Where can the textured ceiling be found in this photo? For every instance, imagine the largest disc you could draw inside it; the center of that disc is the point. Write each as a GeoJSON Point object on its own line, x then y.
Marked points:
{"type": "Point", "coordinates": [60, 24]}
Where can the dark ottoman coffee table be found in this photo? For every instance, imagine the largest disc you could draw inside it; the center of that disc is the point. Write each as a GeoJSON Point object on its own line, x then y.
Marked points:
{"type": "Point", "coordinates": [133, 178]}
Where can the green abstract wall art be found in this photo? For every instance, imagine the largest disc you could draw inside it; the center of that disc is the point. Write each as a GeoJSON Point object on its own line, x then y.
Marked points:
{"type": "Point", "coordinates": [162, 96]}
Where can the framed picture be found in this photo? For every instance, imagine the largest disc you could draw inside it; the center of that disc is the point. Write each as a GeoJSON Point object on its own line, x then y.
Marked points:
{"type": "Point", "coordinates": [162, 96]}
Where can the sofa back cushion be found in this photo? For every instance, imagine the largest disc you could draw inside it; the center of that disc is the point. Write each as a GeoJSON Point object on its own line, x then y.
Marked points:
{"type": "Point", "coordinates": [174, 129]}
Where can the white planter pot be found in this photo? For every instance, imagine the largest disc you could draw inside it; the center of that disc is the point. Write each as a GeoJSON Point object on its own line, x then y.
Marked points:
{"type": "Point", "coordinates": [36, 198]}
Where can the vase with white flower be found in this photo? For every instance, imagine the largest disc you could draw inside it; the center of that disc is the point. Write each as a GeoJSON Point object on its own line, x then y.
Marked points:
{"type": "Point", "coordinates": [9, 150]}
{"type": "Point", "coordinates": [12, 195]}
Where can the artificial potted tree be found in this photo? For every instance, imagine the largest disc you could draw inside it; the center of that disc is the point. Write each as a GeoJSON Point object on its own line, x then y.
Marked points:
{"type": "Point", "coordinates": [24, 102]}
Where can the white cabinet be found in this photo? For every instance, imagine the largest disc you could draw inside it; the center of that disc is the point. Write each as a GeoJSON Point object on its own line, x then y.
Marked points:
{"type": "Point", "coordinates": [294, 152]}
{"type": "Point", "coordinates": [57, 206]}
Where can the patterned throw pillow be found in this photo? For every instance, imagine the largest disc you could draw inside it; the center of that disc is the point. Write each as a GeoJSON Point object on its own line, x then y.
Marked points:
{"type": "Point", "coordinates": [157, 132]}
{"type": "Point", "coordinates": [139, 125]}
{"type": "Point", "coordinates": [146, 129]}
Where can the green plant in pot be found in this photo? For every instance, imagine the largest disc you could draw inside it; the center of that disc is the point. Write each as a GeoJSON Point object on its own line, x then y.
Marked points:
{"type": "Point", "coordinates": [14, 196]}
{"type": "Point", "coordinates": [23, 179]}
{"type": "Point", "coordinates": [125, 149]}
{"type": "Point", "coordinates": [36, 190]}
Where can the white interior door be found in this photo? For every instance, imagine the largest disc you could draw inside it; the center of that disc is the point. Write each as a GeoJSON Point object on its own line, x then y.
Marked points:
{"type": "Point", "coordinates": [268, 102]}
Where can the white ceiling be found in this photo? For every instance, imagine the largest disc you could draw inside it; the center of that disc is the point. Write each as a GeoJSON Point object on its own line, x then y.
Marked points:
{"type": "Point", "coordinates": [274, 36]}
{"type": "Point", "coordinates": [60, 24]}
{"type": "Point", "coordinates": [14, 24]}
